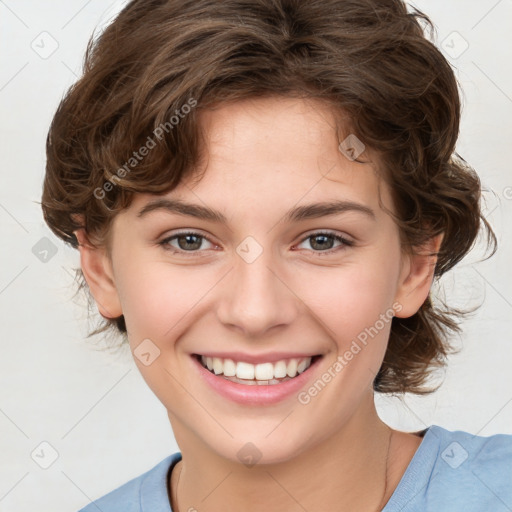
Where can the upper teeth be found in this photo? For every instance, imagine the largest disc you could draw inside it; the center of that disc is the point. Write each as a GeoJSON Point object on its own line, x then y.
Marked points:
{"type": "Point", "coordinates": [262, 371]}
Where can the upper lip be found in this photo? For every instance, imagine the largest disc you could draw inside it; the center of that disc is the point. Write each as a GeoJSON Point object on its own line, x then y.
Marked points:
{"type": "Point", "coordinates": [257, 358]}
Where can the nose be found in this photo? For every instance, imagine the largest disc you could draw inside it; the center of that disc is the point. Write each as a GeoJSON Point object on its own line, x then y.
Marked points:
{"type": "Point", "coordinates": [256, 299]}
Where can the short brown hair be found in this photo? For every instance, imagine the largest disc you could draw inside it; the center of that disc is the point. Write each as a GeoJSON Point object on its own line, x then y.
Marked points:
{"type": "Point", "coordinates": [369, 59]}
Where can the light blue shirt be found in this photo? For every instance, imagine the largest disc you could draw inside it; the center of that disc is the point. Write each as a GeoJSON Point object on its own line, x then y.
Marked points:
{"type": "Point", "coordinates": [450, 471]}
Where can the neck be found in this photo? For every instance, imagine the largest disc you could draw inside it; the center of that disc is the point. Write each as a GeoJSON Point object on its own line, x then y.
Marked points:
{"type": "Point", "coordinates": [353, 470]}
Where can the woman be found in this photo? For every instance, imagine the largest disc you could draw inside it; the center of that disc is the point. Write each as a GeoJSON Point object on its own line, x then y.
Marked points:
{"type": "Point", "coordinates": [262, 194]}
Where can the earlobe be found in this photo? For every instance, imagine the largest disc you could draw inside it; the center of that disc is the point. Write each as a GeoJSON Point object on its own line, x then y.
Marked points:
{"type": "Point", "coordinates": [97, 270]}
{"type": "Point", "coordinates": [416, 277]}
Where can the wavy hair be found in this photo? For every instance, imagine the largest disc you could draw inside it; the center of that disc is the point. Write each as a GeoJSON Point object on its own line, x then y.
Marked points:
{"type": "Point", "coordinates": [371, 60]}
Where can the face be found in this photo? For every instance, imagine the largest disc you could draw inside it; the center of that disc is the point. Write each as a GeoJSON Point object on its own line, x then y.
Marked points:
{"type": "Point", "coordinates": [256, 277]}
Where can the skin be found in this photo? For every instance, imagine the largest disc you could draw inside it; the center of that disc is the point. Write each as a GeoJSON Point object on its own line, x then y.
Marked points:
{"type": "Point", "coordinates": [266, 156]}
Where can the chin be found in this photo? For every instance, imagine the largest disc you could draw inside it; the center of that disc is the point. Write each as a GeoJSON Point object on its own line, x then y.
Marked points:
{"type": "Point", "coordinates": [251, 447]}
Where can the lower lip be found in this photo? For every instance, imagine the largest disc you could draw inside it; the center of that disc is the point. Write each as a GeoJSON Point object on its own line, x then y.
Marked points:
{"type": "Point", "coordinates": [256, 394]}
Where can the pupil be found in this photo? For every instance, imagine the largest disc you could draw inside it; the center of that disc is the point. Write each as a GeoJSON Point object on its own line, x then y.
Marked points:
{"type": "Point", "coordinates": [189, 240]}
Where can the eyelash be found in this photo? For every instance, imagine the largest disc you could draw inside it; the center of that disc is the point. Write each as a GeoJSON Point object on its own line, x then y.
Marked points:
{"type": "Point", "coordinates": [345, 243]}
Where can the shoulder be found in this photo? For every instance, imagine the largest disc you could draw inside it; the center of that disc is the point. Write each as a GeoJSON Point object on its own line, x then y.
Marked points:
{"type": "Point", "coordinates": [457, 471]}
{"type": "Point", "coordinates": [473, 452]}
{"type": "Point", "coordinates": [481, 465]}
{"type": "Point", "coordinates": [147, 492]}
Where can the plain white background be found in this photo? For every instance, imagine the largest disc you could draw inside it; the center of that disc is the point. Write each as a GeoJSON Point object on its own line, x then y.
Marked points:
{"type": "Point", "coordinates": [102, 424]}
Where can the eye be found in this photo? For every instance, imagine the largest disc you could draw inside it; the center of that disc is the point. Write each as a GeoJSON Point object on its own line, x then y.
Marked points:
{"type": "Point", "coordinates": [185, 242]}
{"type": "Point", "coordinates": [323, 242]}
{"type": "Point", "coordinates": [192, 242]}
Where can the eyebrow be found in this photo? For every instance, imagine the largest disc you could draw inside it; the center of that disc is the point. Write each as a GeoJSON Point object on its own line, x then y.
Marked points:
{"type": "Point", "coordinates": [309, 211]}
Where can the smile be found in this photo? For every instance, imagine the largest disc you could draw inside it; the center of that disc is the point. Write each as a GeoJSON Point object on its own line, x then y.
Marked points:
{"type": "Point", "coordinates": [267, 373]}
{"type": "Point", "coordinates": [265, 380]}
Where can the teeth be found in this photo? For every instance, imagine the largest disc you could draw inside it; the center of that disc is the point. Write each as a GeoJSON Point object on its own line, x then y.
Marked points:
{"type": "Point", "coordinates": [280, 369]}
{"type": "Point", "coordinates": [256, 372]}
{"type": "Point", "coordinates": [218, 367]}
{"type": "Point", "coordinates": [302, 366]}
{"type": "Point", "coordinates": [229, 368]}
{"type": "Point", "coordinates": [244, 370]}
{"type": "Point", "coordinates": [291, 369]}
{"type": "Point", "coordinates": [264, 371]}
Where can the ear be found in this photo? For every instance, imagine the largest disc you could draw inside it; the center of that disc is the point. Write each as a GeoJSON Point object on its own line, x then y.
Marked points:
{"type": "Point", "coordinates": [416, 277]}
{"type": "Point", "coordinates": [97, 270]}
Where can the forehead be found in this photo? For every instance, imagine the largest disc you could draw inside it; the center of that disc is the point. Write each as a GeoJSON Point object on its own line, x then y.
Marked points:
{"type": "Point", "coordinates": [272, 153]}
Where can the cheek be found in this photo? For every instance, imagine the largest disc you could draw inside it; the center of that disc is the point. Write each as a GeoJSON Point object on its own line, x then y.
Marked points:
{"type": "Point", "coordinates": [158, 301]}
{"type": "Point", "coordinates": [157, 296]}
{"type": "Point", "coordinates": [354, 304]}
{"type": "Point", "coordinates": [351, 299]}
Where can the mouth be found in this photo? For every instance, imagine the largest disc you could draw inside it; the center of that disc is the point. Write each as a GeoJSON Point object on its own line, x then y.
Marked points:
{"type": "Point", "coordinates": [260, 374]}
